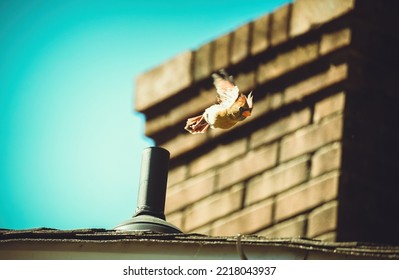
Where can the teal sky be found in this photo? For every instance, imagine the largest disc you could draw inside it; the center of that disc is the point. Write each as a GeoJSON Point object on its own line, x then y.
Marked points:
{"type": "Point", "coordinates": [70, 142]}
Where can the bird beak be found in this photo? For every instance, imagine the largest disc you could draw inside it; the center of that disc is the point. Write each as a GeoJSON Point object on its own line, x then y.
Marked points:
{"type": "Point", "coordinates": [246, 113]}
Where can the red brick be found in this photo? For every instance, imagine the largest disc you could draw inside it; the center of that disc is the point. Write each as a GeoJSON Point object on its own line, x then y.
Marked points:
{"type": "Point", "coordinates": [221, 52]}
{"type": "Point", "coordinates": [249, 165]}
{"type": "Point", "coordinates": [163, 81]}
{"type": "Point", "coordinates": [277, 180]}
{"type": "Point", "coordinates": [245, 81]}
{"type": "Point", "coordinates": [326, 159]}
{"type": "Point", "coordinates": [183, 143]}
{"type": "Point", "coordinates": [292, 228]}
{"type": "Point", "coordinates": [311, 138]}
{"type": "Point", "coordinates": [336, 40]}
{"type": "Point", "coordinates": [328, 106]}
{"type": "Point", "coordinates": [206, 230]}
{"type": "Point", "coordinates": [214, 207]}
{"type": "Point", "coordinates": [176, 219]}
{"type": "Point", "coordinates": [323, 219]}
{"type": "Point", "coordinates": [189, 191]}
{"type": "Point", "coordinates": [179, 113]}
{"type": "Point", "coordinates": [202, 62]}
{"type": "Point", "coordinates": [281, 127]}
{"type": "Point", "coordinates": [307, 14]}
{"type": "Point", "coordinates": [177, 175]}
{"type": "Point", "coordinates": [270, 102]}
{"type": "Point", "coordinates": [221, 154]}
{"type": "Point", "coordinates": [240, 46]}
{"type": "Point", "coordinates": [246, 221]}
{"type": "Point", "coordinates": [280, 25]}
{"type": "Point", "coordinates": [315, 83]}
{"type": "Point", "coordinates": [260, 31]}
{"type": "Point", "coordinates": [306, 196]}
{"type": "Point", "coordinates": [286, 62]}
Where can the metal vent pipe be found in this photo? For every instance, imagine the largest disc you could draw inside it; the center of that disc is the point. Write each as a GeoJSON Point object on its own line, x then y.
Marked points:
{"type": "Point", "coordinates": [150, 209]}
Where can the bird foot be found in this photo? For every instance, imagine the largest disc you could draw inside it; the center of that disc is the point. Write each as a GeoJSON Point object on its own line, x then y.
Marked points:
{"type": "Point", "coordinates": [196, 125]}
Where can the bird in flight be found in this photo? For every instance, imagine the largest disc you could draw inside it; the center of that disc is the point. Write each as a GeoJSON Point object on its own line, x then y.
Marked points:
{"type": "Point", "coordinates": [232, 106]}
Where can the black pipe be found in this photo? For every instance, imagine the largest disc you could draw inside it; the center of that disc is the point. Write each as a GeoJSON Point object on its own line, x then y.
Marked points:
{"type": "Point", "coordinates": [153, 180]}
{"type": "Point", "coordinates": [149, 215]}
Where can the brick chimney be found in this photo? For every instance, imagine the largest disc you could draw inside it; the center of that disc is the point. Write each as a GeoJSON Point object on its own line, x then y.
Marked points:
{"type": "Point", "coordinates": [318, 157]}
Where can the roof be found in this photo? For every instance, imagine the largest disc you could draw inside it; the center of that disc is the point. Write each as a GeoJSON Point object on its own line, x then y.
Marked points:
{"type": "Point", "coordinates": [45, 243]}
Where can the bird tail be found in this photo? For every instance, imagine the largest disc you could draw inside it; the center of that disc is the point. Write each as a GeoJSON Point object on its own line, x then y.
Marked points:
{"type": "Point", "coordinates": [196, 124]}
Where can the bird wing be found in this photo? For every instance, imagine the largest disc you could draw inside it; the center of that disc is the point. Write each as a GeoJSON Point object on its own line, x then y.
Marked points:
{"type": "Point", "coordinates": [227, 91]}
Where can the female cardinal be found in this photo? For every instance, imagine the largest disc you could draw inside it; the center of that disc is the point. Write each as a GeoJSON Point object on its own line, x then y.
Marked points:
{"type": "Point", "coordinates": [232, 106]}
